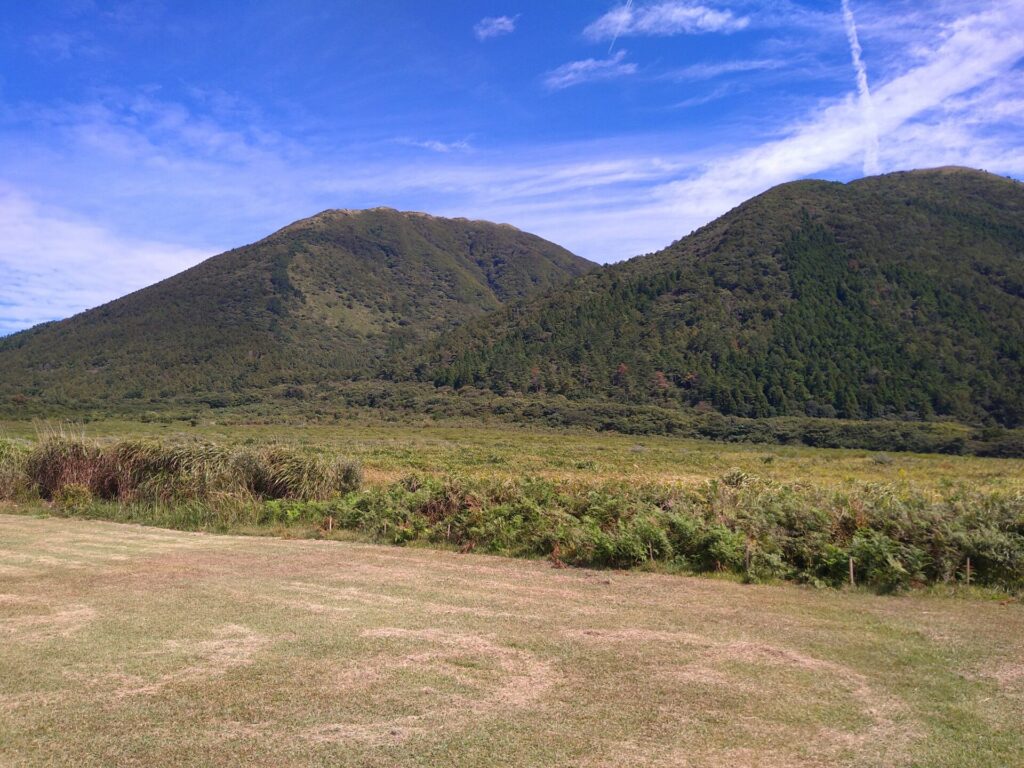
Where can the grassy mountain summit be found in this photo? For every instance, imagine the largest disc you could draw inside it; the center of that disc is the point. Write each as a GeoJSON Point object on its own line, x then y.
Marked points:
{"type": "Point", "coordinates": [899, 295]}
{"type": "Point", "coordinates": [328, 296]}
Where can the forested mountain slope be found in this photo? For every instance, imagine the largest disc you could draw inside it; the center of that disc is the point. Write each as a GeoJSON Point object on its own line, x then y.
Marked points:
{"type": "Point", "coordinates": [900, 295]}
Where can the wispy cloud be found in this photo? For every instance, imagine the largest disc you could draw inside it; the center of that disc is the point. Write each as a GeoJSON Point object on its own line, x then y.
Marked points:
{"type": "Point", "coordinates": [663, 19]}
{"type": "Point", "coordinates": [696, 101]}
{"type": "Point", "coordinates": [711, 70]}
{"type": "Point", "coordinates": [626, 13]}
{"type": "Point", "coordinates": [62, 46]}
{"type": "Point", "coordinates": [56, 45]}
{"type": "Point", "coordinates": [495, 26]}
{"type": "Point", "coordinates": [867, 106]}
{"type": "Point", "coordinates": [136, 15]}
{"type": "Point", "coordinates": [589, 70]}
{"type": "Point", "coordinates": [915, 110]}
{"type": "Point", "coordinates": [442, 147]}
{"type": "Point", "coordinates": [55, 264]}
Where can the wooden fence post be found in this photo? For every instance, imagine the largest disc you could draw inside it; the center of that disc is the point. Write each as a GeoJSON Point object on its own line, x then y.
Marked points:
{"type": "Point", "coordinates": [853, 583]}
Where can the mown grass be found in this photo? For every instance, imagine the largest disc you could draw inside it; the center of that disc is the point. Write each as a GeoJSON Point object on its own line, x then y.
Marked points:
{"type": "Point", "coordinates": [132, 646]}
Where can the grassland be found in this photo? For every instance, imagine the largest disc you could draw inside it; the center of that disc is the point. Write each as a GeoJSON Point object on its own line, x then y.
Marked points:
{"type": "Point", "coordinates": [389, 451]}
{"type": "Point", "coordinates": [136, 646]}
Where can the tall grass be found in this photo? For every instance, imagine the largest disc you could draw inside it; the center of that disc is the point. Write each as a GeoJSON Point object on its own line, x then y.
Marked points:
{"type": "Point", "coordinates": [13, 480]}
{"type": "Point", "coordinates": [282, 473]}
{"type": "Point", "coordinates": [132, 470]}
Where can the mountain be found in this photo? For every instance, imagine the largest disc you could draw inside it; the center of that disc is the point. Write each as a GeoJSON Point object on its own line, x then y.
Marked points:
{"type": "Point", "coordinates": [329, 296]}
{"type": "Point", "coordinates": [900, 295]}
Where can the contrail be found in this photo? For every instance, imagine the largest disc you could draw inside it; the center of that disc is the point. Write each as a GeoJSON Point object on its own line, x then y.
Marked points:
{"type": "Point", "coordinates": [625, 15]}
{"type": "Point", "coordinates": [867, 106]}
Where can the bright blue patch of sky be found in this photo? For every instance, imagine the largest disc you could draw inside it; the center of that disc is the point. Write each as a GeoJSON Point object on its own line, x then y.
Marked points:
{"type": "Point", "coordinates": [137, 138]}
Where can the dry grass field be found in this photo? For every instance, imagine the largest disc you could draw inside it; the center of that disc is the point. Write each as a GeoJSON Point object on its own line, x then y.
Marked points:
{"type": "Point", "coordinates": [389, 451]}
{"type": "Point", "coordinates": [137, 646]}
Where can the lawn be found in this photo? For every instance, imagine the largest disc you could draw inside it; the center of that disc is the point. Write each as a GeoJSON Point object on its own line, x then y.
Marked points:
{"type": "Point", "coordinates": [138, 646]}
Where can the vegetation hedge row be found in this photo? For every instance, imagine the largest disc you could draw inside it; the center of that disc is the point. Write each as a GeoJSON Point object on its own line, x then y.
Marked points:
{"type": "Point", "coordinates": [395, 401]}
{"type": "Point", "coordinates": [606, 415]}
{"type": "Point", "coordinates": [754, 529]}
{"type": "Point", "coordinates": [897, 537]}
{"type": "Point", "coordinates": [759, 529]}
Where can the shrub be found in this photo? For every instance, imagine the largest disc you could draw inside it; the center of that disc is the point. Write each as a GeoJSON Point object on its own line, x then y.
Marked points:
{"type": "Point", "coordinates": [883, 563]}
{"type": "Point", "coordinates": [73, 498]}
{"type": "Point", "coordinates": [768, 566]}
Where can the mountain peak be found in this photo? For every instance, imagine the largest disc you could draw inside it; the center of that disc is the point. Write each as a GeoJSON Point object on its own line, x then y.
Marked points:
{"type": "Point", "coordinates": [326, 296]}
{"type": "Point", "coordinates": [342, 214]}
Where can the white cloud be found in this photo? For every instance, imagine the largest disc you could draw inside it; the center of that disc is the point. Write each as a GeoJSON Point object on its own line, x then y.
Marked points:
{"type": "Point", "coordinates": [62, 46]}
{"type": "Point", "coordinates": [443, 147]}
{"type": "Point", "coordinates": [495, 26]}
{"type": "Point", "coordinates": [589, 70]}
{"type": "Point", "coordinates": [54, 264]}
{"type": "Point", "coordinates": [696, 101]}
{"type": "Point", "coordinates": [915, 113]}
{"type": "Point", "coordinates": [962, 105]}
{"type": "Point", "coordinates": [711, 70]}
{"type": "Point", "coordinates": [867, 105]}
{"type": "Point", "coordinates": [663, 19]}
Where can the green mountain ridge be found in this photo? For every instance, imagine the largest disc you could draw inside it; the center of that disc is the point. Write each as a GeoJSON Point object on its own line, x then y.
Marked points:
{"type": "Point", "coordinates": [893, 296]}
{"type": "Point", "coordinates": [325, 297]}
{"type": "Point", "coordinates": [897, 297]}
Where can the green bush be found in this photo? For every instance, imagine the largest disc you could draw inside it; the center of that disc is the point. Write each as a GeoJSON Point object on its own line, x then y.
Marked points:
{"type": "Point", "coordinates": [73, 498]}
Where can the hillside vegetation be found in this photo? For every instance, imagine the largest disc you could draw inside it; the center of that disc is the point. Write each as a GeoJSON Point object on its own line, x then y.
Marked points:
{"type": "Point", "coordinates": [894, 296]}
{"type": "Point", "coordinates": [327, 296]}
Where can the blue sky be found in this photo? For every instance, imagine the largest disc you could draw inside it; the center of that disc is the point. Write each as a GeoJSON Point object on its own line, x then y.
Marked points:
{"type": "Point", "coordinates": [140, 137]}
